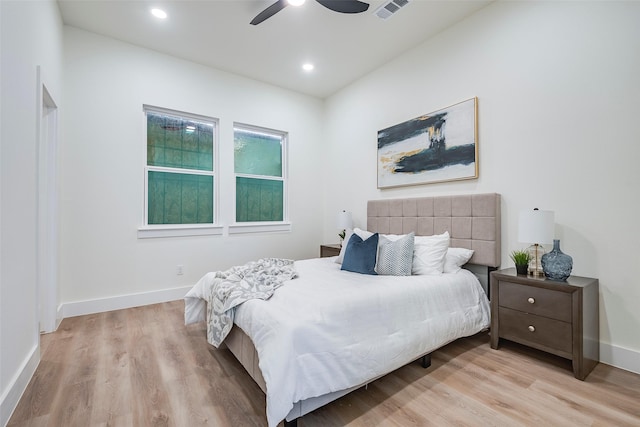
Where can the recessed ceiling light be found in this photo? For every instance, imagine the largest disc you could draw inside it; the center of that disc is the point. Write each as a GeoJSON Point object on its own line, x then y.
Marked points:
{"type": "Point", "coordinates": [159, 13]}
{"type": "Point", "coordinates": [295, 2]}
{"type": "Point", "coordinates": [307, 67]}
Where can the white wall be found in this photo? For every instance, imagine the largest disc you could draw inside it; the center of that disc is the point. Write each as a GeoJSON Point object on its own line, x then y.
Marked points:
{"type": "Point", "coordinates": [558, 89]}
{"type": "Point", "coordinates": [102, 158]}
{"type": "Point", "coordinates": [31, 36]}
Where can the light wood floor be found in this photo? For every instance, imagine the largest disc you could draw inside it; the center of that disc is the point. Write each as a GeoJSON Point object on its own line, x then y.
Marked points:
{"type": "Point", "coordinates": [143, 367]}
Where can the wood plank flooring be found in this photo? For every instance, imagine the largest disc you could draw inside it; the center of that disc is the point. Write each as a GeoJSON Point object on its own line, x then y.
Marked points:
{"type": "Point", "coordinates": [143, 367]}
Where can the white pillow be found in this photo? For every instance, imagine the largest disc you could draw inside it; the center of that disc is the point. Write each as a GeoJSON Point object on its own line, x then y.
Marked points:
{"type": "Point", "coordinates": [394, 237]}
{"type": "Point", "coordinates": [429, 253]}
{"type": "Point", "coordinates": [456, 258]}
{"type": "Point", "coordinates": [364, 235]}
{"type": "Point", "coordinates": [347, 235]}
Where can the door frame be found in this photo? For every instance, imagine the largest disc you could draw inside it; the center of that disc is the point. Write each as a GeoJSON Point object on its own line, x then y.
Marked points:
{"type": "Point", "coordinates": [47, 202]}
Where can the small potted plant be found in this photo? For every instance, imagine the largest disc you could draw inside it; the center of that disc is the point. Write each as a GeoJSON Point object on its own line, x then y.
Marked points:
{"type": "Point", "coordinates": [521, 259]}
{"type": "Point", "coordinates": [342, 235]}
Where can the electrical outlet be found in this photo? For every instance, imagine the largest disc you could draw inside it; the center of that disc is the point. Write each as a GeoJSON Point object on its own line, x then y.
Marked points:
{"type": "Point", "coordinates": [179, 270]}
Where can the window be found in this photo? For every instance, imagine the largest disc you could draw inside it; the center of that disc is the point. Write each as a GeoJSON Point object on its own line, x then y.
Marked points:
{"type": "Point", "coordinates": [260, 174]}
{"type": "Point", "coordinates": [180, 178]}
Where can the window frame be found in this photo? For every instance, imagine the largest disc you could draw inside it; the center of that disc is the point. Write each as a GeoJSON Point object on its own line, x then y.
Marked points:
{"type": "Point", "coordinates": [178, 230]}
{"type": "Point", "coordinates": [263, 226]}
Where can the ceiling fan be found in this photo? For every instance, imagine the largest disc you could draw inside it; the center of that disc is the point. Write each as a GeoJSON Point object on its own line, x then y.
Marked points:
{"type": "Point", "coordinates": [342, 6]}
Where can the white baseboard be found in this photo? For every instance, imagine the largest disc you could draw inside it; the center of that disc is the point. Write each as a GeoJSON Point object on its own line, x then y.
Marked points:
{"type": "Point", "coordinates": [18, 384]}
{"type": "Point", "coordinates": [620, 357]}
{"type": "Point", "coordinates": [79, 308]}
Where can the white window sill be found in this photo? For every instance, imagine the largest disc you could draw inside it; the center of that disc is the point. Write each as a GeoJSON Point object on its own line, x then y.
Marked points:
{"type": "Point", "coordinates": [259, 227]}
{"type": "Point", "coordinates": [151, 231]}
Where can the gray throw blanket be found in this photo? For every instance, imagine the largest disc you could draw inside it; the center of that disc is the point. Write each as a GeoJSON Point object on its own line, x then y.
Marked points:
{"type": "Point", "coordinates": [224, 290]}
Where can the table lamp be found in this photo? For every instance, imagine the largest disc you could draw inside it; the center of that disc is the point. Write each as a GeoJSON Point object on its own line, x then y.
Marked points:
{"type": "Point", "coordinates": [344, 222]}
{"type": "Point", "coordinates": [536, 226]}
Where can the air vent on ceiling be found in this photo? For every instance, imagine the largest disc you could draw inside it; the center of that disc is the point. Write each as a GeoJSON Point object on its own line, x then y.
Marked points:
{"type": "Point", "coordinates": [388, 9]}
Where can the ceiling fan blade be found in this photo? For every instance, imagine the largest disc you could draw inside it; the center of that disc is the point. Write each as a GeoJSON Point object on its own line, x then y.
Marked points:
{"type": "Point", "coordinates": [269, 12]}
{"type": "Point", "coordinates": [345, 6]}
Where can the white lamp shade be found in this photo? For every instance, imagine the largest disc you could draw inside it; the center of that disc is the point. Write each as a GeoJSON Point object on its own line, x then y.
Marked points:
{"type": "Point", "coordinates": [344, 220]}
{"type": "Point", "coordinates": [536, 226]}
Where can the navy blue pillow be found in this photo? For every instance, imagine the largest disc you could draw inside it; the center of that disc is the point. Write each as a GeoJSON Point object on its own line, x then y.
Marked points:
{"type": "Point", "coordinates": [360, 255]}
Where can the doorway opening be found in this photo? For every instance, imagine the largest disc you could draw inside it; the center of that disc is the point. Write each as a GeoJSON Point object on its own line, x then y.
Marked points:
{"type": "Point", "coordinates": [47, 226]}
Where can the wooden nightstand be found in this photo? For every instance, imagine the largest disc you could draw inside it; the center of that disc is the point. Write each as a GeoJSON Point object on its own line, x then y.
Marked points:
{"type": "Point", "coordinates": [329, 250]}
{"type": "Point", "coordinates": [561, 318]}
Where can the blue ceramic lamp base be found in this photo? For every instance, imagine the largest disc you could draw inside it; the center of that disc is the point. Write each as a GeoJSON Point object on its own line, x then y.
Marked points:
{"type": "Point", "coordinates": [556, 264]}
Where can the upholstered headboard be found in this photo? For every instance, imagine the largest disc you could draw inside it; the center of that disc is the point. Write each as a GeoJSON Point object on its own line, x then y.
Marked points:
{"type": "Point", "coordinates": [473, 221]}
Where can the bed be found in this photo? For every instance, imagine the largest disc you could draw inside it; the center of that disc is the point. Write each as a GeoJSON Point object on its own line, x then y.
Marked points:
{"type": "Point", "coordinates": [303, 359]}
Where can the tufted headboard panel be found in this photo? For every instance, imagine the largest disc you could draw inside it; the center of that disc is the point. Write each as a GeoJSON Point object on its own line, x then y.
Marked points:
{"type": "Point", "coordinates": [473, 221]}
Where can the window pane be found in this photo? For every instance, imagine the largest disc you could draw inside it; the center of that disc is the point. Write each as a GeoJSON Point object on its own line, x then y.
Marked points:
{"type": "Point", "coordinates": [258, 200]}
{"type": "Point", "coordinates": [176, 198]}
{"type": "Point", "coordinates": [179, 142]}
{"type": "Point", "coordinates": [257, 153]}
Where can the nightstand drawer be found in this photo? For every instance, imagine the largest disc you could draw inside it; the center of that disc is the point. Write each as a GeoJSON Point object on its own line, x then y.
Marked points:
{"type": "Point", "coordinates": [536, 331]}
{"type": "Point", "coordinates": [540, 301]}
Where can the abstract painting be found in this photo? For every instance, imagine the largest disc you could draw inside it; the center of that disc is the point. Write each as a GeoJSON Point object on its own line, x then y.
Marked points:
{"type": "Point", "coordinates": [436, 147]}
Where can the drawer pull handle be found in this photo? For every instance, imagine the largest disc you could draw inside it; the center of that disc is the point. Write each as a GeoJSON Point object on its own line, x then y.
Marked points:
{"type": "Point", "coordinates": [532, 328]}
{"type": "Point", "coordinates": [531, 300]}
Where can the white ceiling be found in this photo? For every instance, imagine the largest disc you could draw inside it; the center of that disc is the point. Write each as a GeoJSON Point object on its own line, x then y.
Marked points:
{"type": "Point", "coordinates": [217, 33]}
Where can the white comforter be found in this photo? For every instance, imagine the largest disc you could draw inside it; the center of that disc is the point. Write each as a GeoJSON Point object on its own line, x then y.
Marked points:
{"type": "Point", "coordinates": [330, 330]}
{"type": "Point", "coordinates": [225, 290]}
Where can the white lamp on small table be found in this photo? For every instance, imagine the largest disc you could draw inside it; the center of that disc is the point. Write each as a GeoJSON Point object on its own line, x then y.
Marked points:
{"type": "Point", "coordinates": [536, 226]}
{"type": "Point", "coordinates": [344, 222]}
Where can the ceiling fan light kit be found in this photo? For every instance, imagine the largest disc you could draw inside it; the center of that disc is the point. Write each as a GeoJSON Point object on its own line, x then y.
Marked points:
{"type": "Point", "coordinates": [341, 6]}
